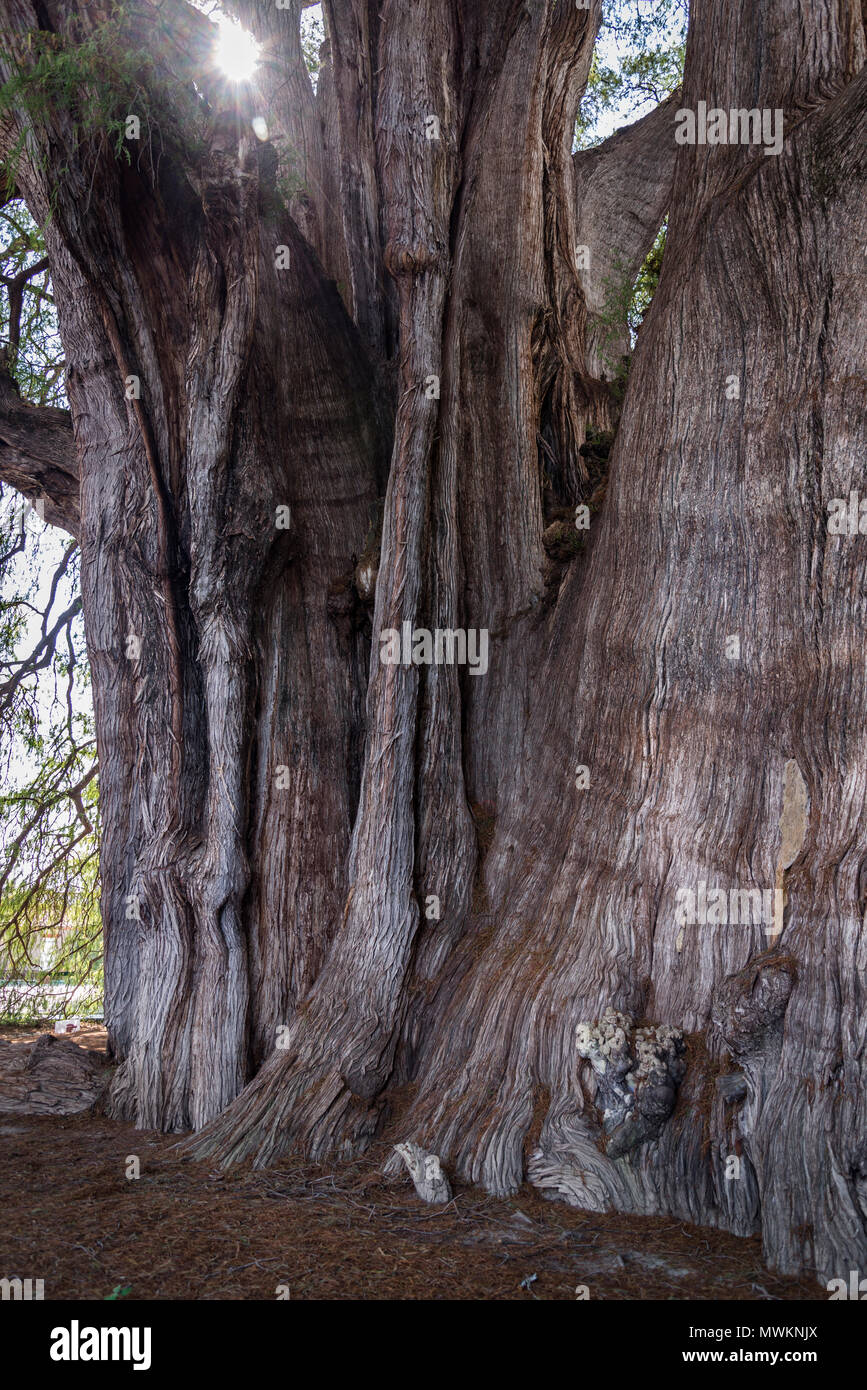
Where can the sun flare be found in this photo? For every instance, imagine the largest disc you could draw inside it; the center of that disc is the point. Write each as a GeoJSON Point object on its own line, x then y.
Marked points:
{"type": "Point", "coordinates": [237, 52]}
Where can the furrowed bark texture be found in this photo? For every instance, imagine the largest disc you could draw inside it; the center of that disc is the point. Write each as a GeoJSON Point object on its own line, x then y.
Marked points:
{"type": "Point", "coordinates": [227, 697]}
{"type": "Point", "coordinates": [281, 806]}
{"type": "Point", "coordinates": [714, 525]}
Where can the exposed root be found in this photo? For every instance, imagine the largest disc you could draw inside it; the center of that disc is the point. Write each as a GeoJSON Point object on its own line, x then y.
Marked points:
{"type": "Point", "coordinates": [427, 1174]}
{"type": "Point", "coordinates": [298, 1103]}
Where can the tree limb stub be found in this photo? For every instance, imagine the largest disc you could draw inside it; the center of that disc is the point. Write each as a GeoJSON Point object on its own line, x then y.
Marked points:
{"type": "Point", "coordinates": [37, 454]}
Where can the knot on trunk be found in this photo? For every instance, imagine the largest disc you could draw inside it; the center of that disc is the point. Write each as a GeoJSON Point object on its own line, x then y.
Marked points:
{"type": "Point", "coordinates": [367, 568]}
{"type": "Point", "coordinates": [638, 1071]}
{"type": "Point", "coordinates": [401, 259]}
{"type": "Point", "coordinates": [750, 1004]}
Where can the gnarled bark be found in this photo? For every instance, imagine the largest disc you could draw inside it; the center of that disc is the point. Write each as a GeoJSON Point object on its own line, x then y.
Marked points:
{"type": "Point", "coordinates": [286, 805]}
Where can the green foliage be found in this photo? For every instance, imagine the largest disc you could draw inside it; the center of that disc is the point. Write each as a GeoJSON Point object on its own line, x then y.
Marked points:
{"type": "Point", "coordinates": [615, 312]}
{"type": "Point", "coordinates": [49, 911]}
{"type": "Point", "coordinates": [312, 39]}
{"type": "Point", "coordinates": [638, 62]}
{"type": "Point", "coordinates": [35, 358]}
{"type": "Point", "coordinates": [98, 82]}
{"type": "Point", "coordinates": [645, 286]}
{"type": "Point", "coordinates": [627, 303]}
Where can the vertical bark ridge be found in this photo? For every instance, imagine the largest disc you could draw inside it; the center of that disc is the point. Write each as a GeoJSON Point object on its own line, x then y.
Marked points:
{"type": "Point", "coordinates": [178, 255]}
{"type": "Point", "coordinates": [599, 909]}
{"type": "Point", "coordinates": [353, 31]}
{"type": "Point", "coordinates": [517, 156]}
{"type": "Point", "coordinates": [332, 1066]}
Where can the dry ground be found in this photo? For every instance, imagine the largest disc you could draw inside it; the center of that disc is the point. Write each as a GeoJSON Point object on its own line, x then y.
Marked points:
{"type": "Point", "coordinates": [185, 1230]}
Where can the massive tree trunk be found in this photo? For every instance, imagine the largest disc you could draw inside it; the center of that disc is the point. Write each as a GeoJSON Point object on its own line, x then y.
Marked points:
{"type": "Point", "coordinates": [326, 875]}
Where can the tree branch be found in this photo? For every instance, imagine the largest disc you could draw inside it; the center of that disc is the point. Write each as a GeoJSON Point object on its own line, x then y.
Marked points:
{"type": "Point", "coordinates": [40, 657]}
{"type": "Point", "coordinates": [37, 453]}
{"type": "Point", "coordinates": [16, 285]}
{"type": "Point", "coordinates": [622, 191]}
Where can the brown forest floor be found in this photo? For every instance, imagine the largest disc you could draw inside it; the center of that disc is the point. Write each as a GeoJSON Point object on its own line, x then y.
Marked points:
{"type": "Point", "coordinates": [186, 1230]}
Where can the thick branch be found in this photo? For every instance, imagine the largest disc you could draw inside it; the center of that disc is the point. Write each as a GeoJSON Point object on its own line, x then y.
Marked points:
{"type": "Point", "coordinates": [622, 192]}
{"type": "Point", "coordinates": [37, 454]}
